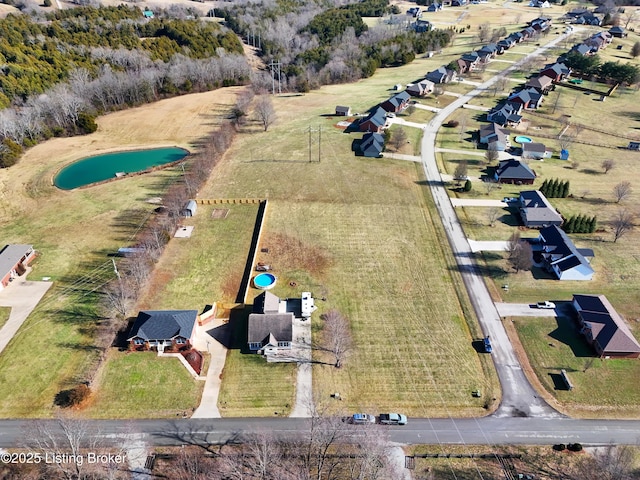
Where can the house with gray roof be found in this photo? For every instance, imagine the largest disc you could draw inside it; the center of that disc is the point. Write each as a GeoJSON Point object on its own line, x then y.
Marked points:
{"type": "Point", "coordinates": [494, 136]}
{"type": "Point", "coordinates": [421, 88]}
{"type": "Point", "coordinates": [541, 83]}
{"type": "Point", "coordinates": [514, 171]}
{"type": "Point", "coordinates": [374, 122]}
{"type": "Point", "coordinates": [604, 328]}
{"type": "Point", "coordinates": [397, 103]}
{"type": "Point", "coordinates": [13, 262]}
{"type": "Point", "coordinates": [506, 114]}
{"type": "Point", "coordinates": [441, 75]}
{"type": "Point", "coordinates": [562, 258]}
{"type": "Point", "coordinates": [371, 145]}
{"type": "Point", "coordinates": [535, 151]}
{"type": "Point", "coordinates": [557, 71]}
{"type": "Point", "coordinates": [163, 330]}
{"type": "Point", "coordinates": [270, 326]}
{"type": "Point", "coordinates": [617, 31]}
{"type": "Point", "coordinates": [536, 211]}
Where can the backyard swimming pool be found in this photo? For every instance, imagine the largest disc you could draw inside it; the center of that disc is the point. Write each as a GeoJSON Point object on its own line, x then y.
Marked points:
{"type": "Point", "coordinates": [522, 139]}
{"type": "Point", "coordinates": [264, 281]}
{"type": "Point", "coordinates": [110, 165]}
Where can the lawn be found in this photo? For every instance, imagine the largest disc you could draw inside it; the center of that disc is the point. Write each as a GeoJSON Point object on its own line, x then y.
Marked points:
{"type": "Point", "coordinates": [142, 385]}
{"type": "Point", "coordinates": [4, 315]}
{"type": "Point", "coordinates": [555, 343]}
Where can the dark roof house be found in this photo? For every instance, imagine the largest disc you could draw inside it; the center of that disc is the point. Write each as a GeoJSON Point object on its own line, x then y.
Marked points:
{"type": "Point", "coordinates": [604, 328]}
{"type": "Point", "coordinates": [269, 328]}
{"type": "Point", "coordinates": [617, 32]}
{"type": "Point", "coordinates": [505, 114]}
{"type": "Point", "coordinates": [535, 151]}
{"type": "Point", "coordinates": [13, 262]}
{"type": "Point", "coordinates": [562, 258]}
{"type": "Point", "coordinates": [494, 136]}
{"type": "Point", "coordinates": [375, 122]}
{"type": "Point", "coordinates": [163, 329]}
{"type": "Point", "coordinates": [557, 71]}
{"type": "Point", "coordinates": [441, 75]}
{"type": "Point", "coordinates": [396, 103]}
{"type": "Point", "coordinates": [514, 171]}
{"type": "Point", "coordinates": [536, 211]}
{"type": "Point", "coordinates": [371, 145]}
{"type": "Point", "coordinates": [541, 83]}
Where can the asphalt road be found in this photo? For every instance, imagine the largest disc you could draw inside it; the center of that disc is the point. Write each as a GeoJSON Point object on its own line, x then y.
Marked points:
{"type": "Point", "coordinates": [471, 431]}
{"type": "Point", "coordinates": [518, 396]}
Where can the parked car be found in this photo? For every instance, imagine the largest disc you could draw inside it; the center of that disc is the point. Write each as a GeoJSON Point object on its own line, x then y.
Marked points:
{"type": "Point", "coordinates": [487, 345]}
{"type": "Point", "coordinates": [546, 304]}
{"type": "Point", "coordinates": [392, 419]}
{"type": "Point", "coordinates": [362, 419]}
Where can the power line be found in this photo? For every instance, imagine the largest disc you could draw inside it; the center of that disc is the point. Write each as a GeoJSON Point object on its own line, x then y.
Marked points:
{"type": "Point", "coordinates": [275, 72]}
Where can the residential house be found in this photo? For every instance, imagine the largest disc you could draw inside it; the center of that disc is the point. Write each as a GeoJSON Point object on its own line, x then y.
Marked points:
{"type": "Point", "coordinates": [556, 71]}
{"type": "Point", "coordinates": [492, 49]}
{"type": "Point", "coordinates": [542, 84]}
{"type": "Point", "coordinates": [376, 121]}
{"type": "Point", "coordinates": [472, 60]}
{"type": "Point", "coordinates": [270, 327]}
{"type": "Point", "coordinates": [617, 32]}
{"type": "Point", "coordinates": [463, 66]}
{"type": "Point", "coordinates": [397, 103]}
{"type": "Point", "coordinates": [599, 40]}
{"type": "Point", "coordinates": [434, 7]}
{"type": "Point", "coordinates": [441, 75]}
{"type": "Point", "coordinates": [535, 151]}
{"type": "Point", "coordinates": [371, 145]}
{"type": "Point", "coordinates": [582, 49]}
{"type": "Point", "coordinates": [529, 32]}
{"type": "Point", "coordinates": [14, 260]}
{"type": "Point", "coordinates": [458, 3]}
{"type": "Point", "coordinates": [539, 4]}
{"type": "Point", "coordinates": [506, 43]}
{"type": "Point", "coordinates": [163, 329]}
{"type": "Point", "coordinates": [514, 171]}
{"type": "Point", "coordinates": [562, 258]}
{"type": "Point", "coordinates": [506, 114]}
{"type": "Point", "coordinates": [420, 89]}
{"type": "Point", "coordinates": [516, 36]}
{"type": "Point", "coordinates": [421, 26]}
{"type": "Point", "coordinates": [494, 137]}
{"type": "Point", "coordinates": [414, 11]}
{"type": "Point", "coordinates": [528, 97]}
{"type": "Point", "coordinates": [540, 24]}
{"type": "Point", "coordinates": [343, 111]}
{"type": "Point", "coordinates": [536, 211]}
{"type": "Point", "coordinates": [604, 328]}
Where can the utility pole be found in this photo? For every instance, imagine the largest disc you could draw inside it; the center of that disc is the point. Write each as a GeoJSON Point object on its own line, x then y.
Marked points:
{"type": "Point", "coordinates": [319, 141]}
{"type": "Point", "coordinates": [115, 268]}
{"type": "Point", "coordinates": [275, 71]}
{"type": "Point", "coordinates": [309, 143]}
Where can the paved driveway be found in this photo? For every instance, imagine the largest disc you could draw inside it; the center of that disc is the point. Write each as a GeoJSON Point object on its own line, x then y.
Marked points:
{"type": "Point", "coordinates": [524, 310]}
{"type": "Point", "coordinates": [476, 202]}
{"type": "Point", "coordinates": [22, 296]}
{"type": "Point", "coordinates": [488, 246]}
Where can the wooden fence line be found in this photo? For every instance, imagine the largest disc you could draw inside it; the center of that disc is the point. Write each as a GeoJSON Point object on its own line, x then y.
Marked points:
{"type": "Point", "coordinates": [215, 201]}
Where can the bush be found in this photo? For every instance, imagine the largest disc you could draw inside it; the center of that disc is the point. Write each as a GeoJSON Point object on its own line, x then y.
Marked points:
{"type": "Point", "coordinates": [86, 123]}
{"type": "Point", "coordinates": [452, 123]}
{"type": "Point", "coordinates": [467, 186]}
{"type": "Point", "coordinates": [575, 447]}
{"type": "Point", "coordinates": [559, 447]}
{"type": "Point", "coordinates": [73, 397]}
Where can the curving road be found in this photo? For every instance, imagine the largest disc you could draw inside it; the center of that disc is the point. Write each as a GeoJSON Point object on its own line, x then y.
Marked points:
{"type": "Point", "coordinates": [518, 396]}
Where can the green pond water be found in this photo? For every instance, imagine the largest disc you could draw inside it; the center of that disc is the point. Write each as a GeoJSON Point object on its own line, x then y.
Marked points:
{"type": "Point", "coordinates": [104, 167]}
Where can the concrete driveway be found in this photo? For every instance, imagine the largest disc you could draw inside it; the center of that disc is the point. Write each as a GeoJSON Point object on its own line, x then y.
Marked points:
{"type": "Point", "coordinates": [477, 202]}
{"type": "Point", "coordinates": [22, 296]}
{"type": "Point", "coordinates": [488, 246]}
{"type": "Point", "coordinates": [524, 310]}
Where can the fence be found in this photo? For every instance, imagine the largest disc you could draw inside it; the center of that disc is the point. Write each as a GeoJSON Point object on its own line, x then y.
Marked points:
{"type": "Point", "coordinates": [215, 201]}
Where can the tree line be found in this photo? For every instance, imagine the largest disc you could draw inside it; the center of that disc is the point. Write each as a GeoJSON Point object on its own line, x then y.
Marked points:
{"type": "Point", "coordinates": [611, 72]}
{"type": "Point", "coordinates": [57, 86]}
{"type": "Point", "coordinates": [329, 43]}
{"type": "Point", "coordinates": [555, 188]}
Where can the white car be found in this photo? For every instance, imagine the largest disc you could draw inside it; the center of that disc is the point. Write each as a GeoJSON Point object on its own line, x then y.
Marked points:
{"type": "Point", "coordinates": [546, 304]}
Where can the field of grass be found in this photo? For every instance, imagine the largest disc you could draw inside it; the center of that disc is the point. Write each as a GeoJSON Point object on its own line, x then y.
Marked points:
{"type": "Point", "coordinates": [4, 315]}
{"type": "Point", "coordinates": [555, 343]}
{"type": "Point", "coordinates": [143, 385]}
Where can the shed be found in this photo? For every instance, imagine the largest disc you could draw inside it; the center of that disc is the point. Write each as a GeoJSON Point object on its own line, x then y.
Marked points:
{"type": "Point", "coordinates": [564, 154]}
{"type": "Point", "coordinates": [343, 110]}
{"type": "Point", "coordinates": [189, 209]}
{"type": "Point", "coordinates": [634, 146]}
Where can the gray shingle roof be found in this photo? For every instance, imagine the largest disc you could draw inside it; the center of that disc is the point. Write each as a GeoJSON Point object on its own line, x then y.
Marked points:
{"type": "Point", "coordinates": [163, 324]}
{"type": "Point", "coordinates": [514, 169]}
{"type": "Point", "coordinates": [10, 255]}
{"type": "Point", "coordinates": [266, 327]}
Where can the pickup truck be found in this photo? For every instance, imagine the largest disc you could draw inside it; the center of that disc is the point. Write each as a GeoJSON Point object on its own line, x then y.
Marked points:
{"type": "Point", "coordinates": [487, 345]}
{"type": "Point", "coordinates": [392, 419]}
{"type": "Point", "coordinates": [546, 304]}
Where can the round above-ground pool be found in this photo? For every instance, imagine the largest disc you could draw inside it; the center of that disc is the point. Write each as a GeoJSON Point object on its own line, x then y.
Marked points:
{"type": "Point", "coordinates": [264, 281]}
{"type": "Point", "coordinates": [523, 139]}
{"type": "Point", "coordinates": [111, 165]}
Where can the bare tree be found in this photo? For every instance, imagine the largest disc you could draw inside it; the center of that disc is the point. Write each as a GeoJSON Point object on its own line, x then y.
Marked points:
{"type": "Point", "coordinates": [492, 215]}
{"type": "Point", "coordinates": [461, 171]}
{"type": "Point", "coordinates": [520, 253]}
{"type": "Point", "coordinates": [118, 297]}
{"type": "Point", "coordinates": [491, 155]}
{"type": "Point", "coordinates": [398, 138]}
{"type": "Point", "coordinates": [337, 336]}
{"type": "Point", "coordinates": [622, 223]}
{"type": "Point", "coordinates": [265, 112]}
{"type": "Point", "coordinates": [611, 462]}
{"type": "Point", "coordinates": [622, 191]}
{"type": "Point", "coordinates": [635, 50]}
{"type": "Point", "coordinates": [607, 165]}
{"type": "Point", "coordinates": [490, 185]}
{"type": "Point", "coordinates": [630, 17]}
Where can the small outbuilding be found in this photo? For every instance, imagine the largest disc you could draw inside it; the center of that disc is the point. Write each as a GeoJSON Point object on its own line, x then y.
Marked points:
{"type": "Point", "coordinates": [189, 209]}
{"type": "Point", "coordinates": [343, 111]}
{"type": "Point", "coordinates": [634, 146]}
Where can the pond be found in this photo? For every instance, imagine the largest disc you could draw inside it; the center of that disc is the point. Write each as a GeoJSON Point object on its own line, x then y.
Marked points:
{"type": "Point", "coordinates": [111, 165]}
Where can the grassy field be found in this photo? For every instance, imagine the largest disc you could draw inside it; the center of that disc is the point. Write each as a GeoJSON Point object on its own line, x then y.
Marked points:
{"type": "Point", "coordinates": [73, 232]}
{"type": "Point", "coordinates": [4, 315]}
{"type": "Point", "coordinates": [142, 385]}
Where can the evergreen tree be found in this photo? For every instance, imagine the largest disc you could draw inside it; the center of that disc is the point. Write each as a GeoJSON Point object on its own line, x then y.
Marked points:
{"type": "Point", "coordinates": [568, 225]}
{"type": "Point", "coordinates": [555, 188]}
{"type": "Point", "coordinates": [593, 224]}
{"type": "Point", "coordinates": [544, 188]}
{"type": "Point", "coordinates": [579, 225]}
{"type": "Point", "coordinates": [467, 186]}
{"type": "Point", "coordinates": [565, 189]}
